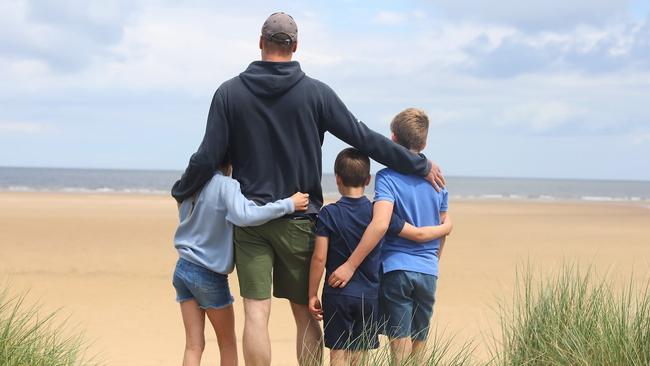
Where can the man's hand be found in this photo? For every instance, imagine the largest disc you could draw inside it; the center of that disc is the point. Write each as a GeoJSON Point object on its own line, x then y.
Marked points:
{"type": "Point", "coordinates": [315, 308]}
{"type": "Point", "coordinates": [300, 201]}
{"type": "Point", "coordinates": [435, 177]}
{"type": "Point", "coordinates": [341, 276]}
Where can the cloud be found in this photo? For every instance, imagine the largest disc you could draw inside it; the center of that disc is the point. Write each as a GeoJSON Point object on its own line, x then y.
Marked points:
{"type": "Point", "coordinates": [642, 138]}
{"type": "Point", "coordinates": [390, 18]}
{"type": "Point", "coordinates": [150, 70]}
{"type": "Point", "coordinates": [586, 50]}
{"type": "Point", "coordinates": [540, 116]}
{"type": "Point", "coordinates": [536, 15]}
{"type": "Point", "coordinates": [23, 128]}
{"type": "Point", "coordinates": [66, 36]}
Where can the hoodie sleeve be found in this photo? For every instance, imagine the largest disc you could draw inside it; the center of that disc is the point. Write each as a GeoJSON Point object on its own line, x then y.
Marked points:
{"type": "Point", "coordinates": [205, 161]}
{"type": "Point", "coordinates": [338, 120]}
{"type": "Point", "coordinates": [242, 212]}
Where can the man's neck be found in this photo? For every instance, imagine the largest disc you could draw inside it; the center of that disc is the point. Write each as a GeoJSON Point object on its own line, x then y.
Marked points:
{"type": "Point", "coordinates": [352, 192]}
{"type": "Point", "coordinates": [275, 58]}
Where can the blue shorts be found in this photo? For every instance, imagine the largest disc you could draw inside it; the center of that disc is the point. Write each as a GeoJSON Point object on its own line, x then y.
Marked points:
{"type": "Point", "coordinates": [209, 289]}
{"type": "Point", "coordinates": [351, 323]}
{"type": "Point", "coordinates": [406, 301]}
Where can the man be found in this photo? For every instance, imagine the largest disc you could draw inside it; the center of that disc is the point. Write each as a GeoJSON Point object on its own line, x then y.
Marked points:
{"type": "Point", "coordinates": [270, 121]}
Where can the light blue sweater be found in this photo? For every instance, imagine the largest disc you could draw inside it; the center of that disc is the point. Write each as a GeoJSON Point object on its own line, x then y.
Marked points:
{"type": "Point", "coordinates": [204, 235]}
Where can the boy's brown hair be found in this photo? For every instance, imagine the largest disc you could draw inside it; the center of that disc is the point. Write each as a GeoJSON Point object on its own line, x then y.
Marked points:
{"type": "Point", "coordinates": [353, 167]}
{"type": "Point", "coordinates": [411, 127]}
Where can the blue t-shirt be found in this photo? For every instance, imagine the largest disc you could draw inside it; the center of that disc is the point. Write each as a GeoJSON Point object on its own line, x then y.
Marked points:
{"type": "Point", "coordinates": [418, 203]}
{"type": "Point", "coordinates": [344, 223]}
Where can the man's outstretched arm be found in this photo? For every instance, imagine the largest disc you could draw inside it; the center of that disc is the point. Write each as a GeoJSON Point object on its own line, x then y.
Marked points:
{"type": "Point", "coordinates": [205, 161]}
{"type": "Point", "coordinates": [339, 121]}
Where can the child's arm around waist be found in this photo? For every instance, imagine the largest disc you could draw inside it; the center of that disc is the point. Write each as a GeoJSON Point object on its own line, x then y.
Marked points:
{"type": "Point", "coordinates": [243, 212]}
{"type": "Point", "coordinates": [427, 233]}
{"type": "Point", "coordinates": [381, 215]}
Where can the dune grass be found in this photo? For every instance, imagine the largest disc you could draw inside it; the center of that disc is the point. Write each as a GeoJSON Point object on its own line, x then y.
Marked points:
{"type": "Point", "coordinates": [28, 338]}
{"type": "Point", "coordinates": [571, 318]}
{"type": "Point", "coordinates": [574, 318]}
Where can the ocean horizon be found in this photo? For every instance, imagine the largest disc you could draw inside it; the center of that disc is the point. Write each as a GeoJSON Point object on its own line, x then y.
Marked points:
{"type": "Point", "coordinates": [159, 182]}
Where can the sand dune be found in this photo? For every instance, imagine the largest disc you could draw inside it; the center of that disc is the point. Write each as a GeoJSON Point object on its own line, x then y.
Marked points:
{"type": "Point", "coordinates": [107, 261]}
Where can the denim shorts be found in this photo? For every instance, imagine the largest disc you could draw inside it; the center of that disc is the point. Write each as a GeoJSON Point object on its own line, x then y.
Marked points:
{"type": "Point", "coordinates": [351, 323]}
{"type": "Point", "coordinates": [406, 302]}
{"type": "Point", "coordinates": [209, 289]}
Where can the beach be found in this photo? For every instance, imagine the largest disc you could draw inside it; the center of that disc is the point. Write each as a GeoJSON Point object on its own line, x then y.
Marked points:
{"type": "Point", "coordinates": [106, 260]}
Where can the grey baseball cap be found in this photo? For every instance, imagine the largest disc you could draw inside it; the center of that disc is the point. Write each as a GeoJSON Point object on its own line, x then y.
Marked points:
{"type": "Point", "coordinates": [281, 28]}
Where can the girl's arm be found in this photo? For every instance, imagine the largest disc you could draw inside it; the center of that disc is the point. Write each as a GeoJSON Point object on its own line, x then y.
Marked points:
{"type": "Point", "coordinates": [243, 212]}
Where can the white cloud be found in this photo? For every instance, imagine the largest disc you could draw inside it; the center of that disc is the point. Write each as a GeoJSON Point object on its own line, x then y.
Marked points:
{"type": "Point", "coordinates": [29, 128]}
{"type": "Point", "coordinates": [536, 14]}
{"type": "Point", "coordinates": [390, 18]}
{"type": "Point", "coordinates": [539, 116]}
{"type": "Point", "coordinates": [642, 138]}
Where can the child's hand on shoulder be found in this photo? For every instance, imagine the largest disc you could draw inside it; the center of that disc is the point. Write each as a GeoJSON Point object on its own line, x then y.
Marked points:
{"type": "Point", "coordinates": [315, 308]}
{"type": "Point", "coordinates": [300, 201]}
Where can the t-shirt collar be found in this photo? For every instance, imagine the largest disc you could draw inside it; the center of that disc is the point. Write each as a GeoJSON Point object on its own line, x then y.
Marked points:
{"type": "Point", "coordinates": [353, 200]}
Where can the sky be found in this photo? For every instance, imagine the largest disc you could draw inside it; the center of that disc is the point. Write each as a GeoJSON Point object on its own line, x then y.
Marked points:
{"type": "Point", "coordinates": [551, 89]}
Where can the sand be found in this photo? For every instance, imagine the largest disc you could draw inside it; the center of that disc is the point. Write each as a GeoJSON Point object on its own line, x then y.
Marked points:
{"type": "Point", "coordinates": [107, 260]}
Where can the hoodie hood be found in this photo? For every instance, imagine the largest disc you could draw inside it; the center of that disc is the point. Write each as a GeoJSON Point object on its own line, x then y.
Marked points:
{"type": "Point", "coordinates": [270, 79]}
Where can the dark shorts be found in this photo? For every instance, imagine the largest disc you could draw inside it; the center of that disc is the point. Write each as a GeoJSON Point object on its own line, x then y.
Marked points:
{"type": "Point", "coordinates": [209, 289]}
{"type": "Point", "coordinates": [278, 253]}
{"type": "Point", "coordinates": [351, 323]}
{"type": "Point", "coordinates": [406, 301]}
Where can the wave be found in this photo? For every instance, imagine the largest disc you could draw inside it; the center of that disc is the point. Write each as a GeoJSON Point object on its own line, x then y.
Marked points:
{"type": "Point", "coordinates": [99, 190]}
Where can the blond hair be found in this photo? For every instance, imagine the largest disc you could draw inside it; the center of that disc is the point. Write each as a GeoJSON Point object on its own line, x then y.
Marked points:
{"type": "Point", "coordinates": [410, 128]}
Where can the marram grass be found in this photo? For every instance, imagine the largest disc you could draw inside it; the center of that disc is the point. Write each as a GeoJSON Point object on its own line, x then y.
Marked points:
{"type": "Point", "coordinates": [575, 318]}
{"type": "Point", "coordinates": [28, 338]}
{"type": "Point", "coordinates": [571, 318]}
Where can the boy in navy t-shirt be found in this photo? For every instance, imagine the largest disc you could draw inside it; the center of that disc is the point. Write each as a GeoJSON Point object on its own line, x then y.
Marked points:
{"type": "Point", "coordinates": [350, 310]}
{"type": "Point", "coordinates": [410, 270]}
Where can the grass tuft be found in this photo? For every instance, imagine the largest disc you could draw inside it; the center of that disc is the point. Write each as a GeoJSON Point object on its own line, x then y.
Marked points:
{"type": "Point", "coordinates": [29, 339]}
{"type": "Point", "coordinates": [574, 318]}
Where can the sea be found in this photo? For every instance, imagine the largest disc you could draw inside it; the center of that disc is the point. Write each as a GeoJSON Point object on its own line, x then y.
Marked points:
{"type": "Point", "coordinates": [159, 182]}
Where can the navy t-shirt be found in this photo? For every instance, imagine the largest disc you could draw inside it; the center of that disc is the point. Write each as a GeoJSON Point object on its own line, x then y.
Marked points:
{"type": "Point", "coordinates": [344, 223]}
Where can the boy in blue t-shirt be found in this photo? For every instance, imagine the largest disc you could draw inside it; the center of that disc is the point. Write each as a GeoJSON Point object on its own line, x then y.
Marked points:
{"type": "Point", "coordinates": [350, 309]}
{"type": "Point", "coordinates": [410, 270]}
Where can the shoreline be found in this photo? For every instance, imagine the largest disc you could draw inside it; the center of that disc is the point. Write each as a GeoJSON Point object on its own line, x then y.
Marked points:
{"type": "Point", "coordinates": [645, 203]}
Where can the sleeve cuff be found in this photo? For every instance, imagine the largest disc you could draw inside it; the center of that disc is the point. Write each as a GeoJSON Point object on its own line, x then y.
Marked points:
{"type": "Point", "coordinates": [384, 198]}
{"type": "Point", "coordinates": [428, 168]}
{"type": "Point", "coordinates": [287, 203]}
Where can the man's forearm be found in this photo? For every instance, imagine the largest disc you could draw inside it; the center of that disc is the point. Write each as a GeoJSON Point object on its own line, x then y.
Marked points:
{"type": "Point", "coordinates": [341, 123]}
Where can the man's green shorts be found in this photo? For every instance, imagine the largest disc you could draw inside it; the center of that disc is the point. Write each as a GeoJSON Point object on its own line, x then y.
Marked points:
{"type": "Point", "coordinates": [277, 252]}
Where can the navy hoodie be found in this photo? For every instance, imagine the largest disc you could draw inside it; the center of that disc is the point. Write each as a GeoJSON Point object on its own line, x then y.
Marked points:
{"type": "Point", "coordinates": [271, 120]}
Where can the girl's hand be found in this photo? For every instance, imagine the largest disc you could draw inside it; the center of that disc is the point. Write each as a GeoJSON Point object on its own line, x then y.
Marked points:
{"type": "Point", "coordinates": [300, 201]}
